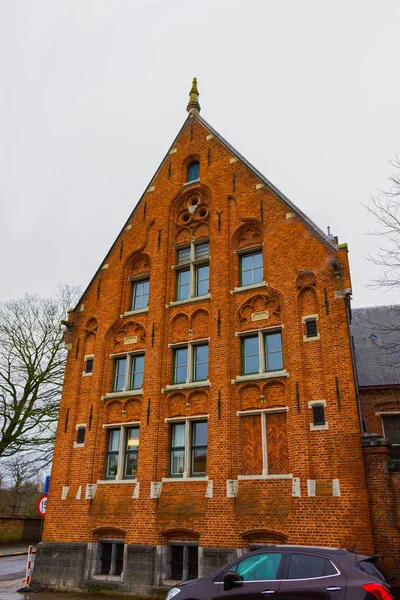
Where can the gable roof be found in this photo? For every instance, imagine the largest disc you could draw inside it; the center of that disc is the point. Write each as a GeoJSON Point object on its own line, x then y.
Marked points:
{"type": "Point", "coordinates": [376, 336]}
{"type": "Point", "coordinates": [308, 222]}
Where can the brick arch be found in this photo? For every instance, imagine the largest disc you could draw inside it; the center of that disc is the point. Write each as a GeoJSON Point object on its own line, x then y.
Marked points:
{"type": "Point", "coordinates": [247, 235]}
{"type": "Point", "coordinates": [306, 278]}
{"type": "Point", "coordinates": [308, 300]}
{"type": "Point", "coordinates": [198, 402]}
{"type": "Point", "coordinates": [266, 302]}
{"type": "Point", "coordinates": [132, 409]}
{"type": "Point", "coordinates": [113, 412]}
{"type": "Point", "coordinates": [128, 329]}
{"type": "Point", "coordinates": [180, 325]}
{"type": "Point", "coordinates": [183, 534]}
{"type": "Point", "coordinates": [275, 393]}
{"type": "Point", "coordinates": [137, 264]}
{"type": "Point", "coordinates": [176, 405]}
{"type": "Point", "coordinates": [250, 396]}
{"type": "Point", "coordinates": [263, 536]}
{"type": "Point", "coordinates": [90, 343]}
{"type": "Point", "coordinates": [200, 323]}
{"type": "Point", "coordinates": [107, 533]}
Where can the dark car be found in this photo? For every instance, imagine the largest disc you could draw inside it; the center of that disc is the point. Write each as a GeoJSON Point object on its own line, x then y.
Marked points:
{"type": "Point", "coordinates": [291, 573]}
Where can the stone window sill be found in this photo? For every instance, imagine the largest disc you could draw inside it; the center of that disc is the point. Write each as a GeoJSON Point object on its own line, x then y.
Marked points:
{"type": "Point", "coordinates": [247, 288]}
{"type": "Point", "coordinates": [259, 376]}
{"type": "Point", "coordinates": [253, 477]}
{"type": "Point", "coordinates": [113, 481]}
{"type": "Point", "coordinates": [178, 479]}
{"type": "Point", "coordinates": [84, 374]}
{"type": "Point", "coordinates": [186, 386]}
{"type": "Point", "coordinates": [188, 300]}
{"type": "Point", "coordinates": [190, 182]}
{"type": "Point", "coordinates": [123, 394]}
{"type": "Point", "coordinates": [138, 311]}
{"type": "Point", "coordinates": [108, 578]}
{"type": "Point", "coordinates": [311, 339]}
{"type": "Point", "coordinates": [318, 427]}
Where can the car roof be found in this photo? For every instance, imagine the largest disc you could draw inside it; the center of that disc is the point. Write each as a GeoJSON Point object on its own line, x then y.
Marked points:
{"type": "Point", "coordinates": [322, 549]}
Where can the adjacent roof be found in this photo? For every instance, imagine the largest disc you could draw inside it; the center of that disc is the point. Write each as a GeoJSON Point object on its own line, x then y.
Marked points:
{"type": "Point", "coordinates": [376, 335]}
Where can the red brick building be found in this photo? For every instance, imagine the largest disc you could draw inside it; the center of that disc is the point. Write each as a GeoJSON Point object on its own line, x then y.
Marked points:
{"type": "Point", "coordinates": [209, 403]}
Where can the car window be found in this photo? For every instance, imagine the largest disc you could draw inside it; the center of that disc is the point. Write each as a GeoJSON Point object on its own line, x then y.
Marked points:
{"type": "Point", "coordinates": [258, 567]}
{"type": "Point", "coordinates": [306, 566]}
{"type": "Point", "coordinates": [371, 569]}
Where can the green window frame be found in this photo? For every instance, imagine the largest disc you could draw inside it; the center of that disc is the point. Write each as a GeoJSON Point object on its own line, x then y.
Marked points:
{"type": "Point", "coordinates": [248, 355]}
{"type": "Point", "coordinates": [192, 270]}
{"type": "Point", "coordinates": [131, 452]}
{"type": "Point", "coordinates": [140, 294]}
{"type": "Point", "coordinates": [198, 448]}
{"type": "Point", "coordinates": [200, 362]}
{"type": "Point", "coordinates": [183, 284]}
{"type": "Point", "coordinates": [180, 365]}
{"type": "Point", "coordinates": [177, 449]}
{"type": "Point", "coordinates": [188, 448]}
{"type": "Point", "coordinates": [120, 373]}
{"type": "Point", "coordinates": [251, 268]}
{"type": "Point", "coordinates": [137, 370]}
{"type": "Point", "coordinates": [202, 273]}
{"type": "Point", "coordinates": [112, 454]}
{"type": "Point", "coordinates": [262, 355]}
{"type": "Point", "coordinates": [273, 351]}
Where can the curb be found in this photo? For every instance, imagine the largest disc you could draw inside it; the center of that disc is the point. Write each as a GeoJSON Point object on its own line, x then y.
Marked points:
{"type": "Point", "coordinates": [16, 554]}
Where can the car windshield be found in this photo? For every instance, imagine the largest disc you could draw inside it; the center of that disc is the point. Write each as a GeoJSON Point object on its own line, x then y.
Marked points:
{"type": "Point", "coordinates": [371, 569]}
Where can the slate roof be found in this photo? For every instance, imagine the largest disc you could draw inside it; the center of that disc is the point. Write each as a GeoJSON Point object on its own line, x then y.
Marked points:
{"type": "Point", "coordinates": [376, 336]}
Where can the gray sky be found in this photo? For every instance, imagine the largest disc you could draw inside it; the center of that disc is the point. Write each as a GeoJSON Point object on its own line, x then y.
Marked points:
{"type": "Point", "coordinates": [94, 92]}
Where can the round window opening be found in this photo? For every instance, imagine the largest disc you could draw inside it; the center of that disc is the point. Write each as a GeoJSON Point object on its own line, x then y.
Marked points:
{"type": "Point", "coordinates": [203, 212]}
{"type": "Point", "coordinates": [185, 217]}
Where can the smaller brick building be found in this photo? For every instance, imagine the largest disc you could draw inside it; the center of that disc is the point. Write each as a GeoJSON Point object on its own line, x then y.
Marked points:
{"type": "Point", "coordinates": [376, 338]}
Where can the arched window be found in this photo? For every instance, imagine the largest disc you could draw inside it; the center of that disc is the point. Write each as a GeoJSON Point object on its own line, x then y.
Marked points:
{"type": "Point", "coordinates": [193, 171]}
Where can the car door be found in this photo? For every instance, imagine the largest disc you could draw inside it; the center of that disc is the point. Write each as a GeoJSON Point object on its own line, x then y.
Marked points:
{"type": "Point", "coordinates": [312, 577]}
{"type": "Point", "coordinates": [259, 577]}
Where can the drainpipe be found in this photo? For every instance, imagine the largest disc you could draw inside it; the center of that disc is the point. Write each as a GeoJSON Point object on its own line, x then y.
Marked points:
{"type": "Point", "coordinates": [347, 300]}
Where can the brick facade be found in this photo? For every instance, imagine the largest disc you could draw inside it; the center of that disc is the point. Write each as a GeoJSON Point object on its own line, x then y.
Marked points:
{"type": "Point", "coordinates": [272, 475]}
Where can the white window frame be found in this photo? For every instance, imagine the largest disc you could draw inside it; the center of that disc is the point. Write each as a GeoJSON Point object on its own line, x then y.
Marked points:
{"type": "Point", "coordinates": [318, 427]}
{"type": "Point", "coordinates": [192, 264]}
{"type": "Point", "coordinates": [187, 458]}
{"type": "Point", "coordinates": [79, 426]}
{"type": "Point", "coordinates": [264, 440]}
{"type": "Point", "coordinates": [119, 478]}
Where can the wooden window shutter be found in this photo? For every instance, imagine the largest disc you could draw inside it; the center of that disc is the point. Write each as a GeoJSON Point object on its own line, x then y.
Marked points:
{"type": "Point", "coordinates": [278, 456]}
{"type": "Point", "coordinates": [252, 445]}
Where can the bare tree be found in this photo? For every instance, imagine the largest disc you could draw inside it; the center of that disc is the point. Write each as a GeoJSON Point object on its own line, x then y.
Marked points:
{"type": "Point", "coordinates": [32, 363]}
{"type": "Point", "coordinates": [385, 207]}
{"type": "Point", "coordinates": [23, 488]}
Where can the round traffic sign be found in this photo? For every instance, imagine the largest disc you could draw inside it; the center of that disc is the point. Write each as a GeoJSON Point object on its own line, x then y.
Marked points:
{"type": "Point", "coordinates": [41, 505]}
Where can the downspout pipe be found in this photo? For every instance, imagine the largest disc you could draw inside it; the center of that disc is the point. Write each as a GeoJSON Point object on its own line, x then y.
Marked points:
{"type": "Point", "coordinates": [347, 300]}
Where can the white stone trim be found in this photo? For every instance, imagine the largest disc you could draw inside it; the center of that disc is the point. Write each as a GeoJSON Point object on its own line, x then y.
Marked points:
{"type": "Point", "coordinates": [258, 376]}
{"type": "Point", "coordinates": [64, 492]}
{"type": "Point", "coordinates": [319, 427]}
{"type": "Point", "coordinates": [296, 491]}
{"type": "Point", "coordinates": [248, 288]}
{"type": "Point", "coordinates": [138, 311]}
{"type": "Point", "coordinates": [251, 477]}
{"type": "Point", "coordinates": [311, 487]}
{"type": "Point", "coordinates": [116, 425]}
{"type": "Point", "coordinates": [138, 392]}
{"type": "Point", "coordinates": [114, 481]}
{"type": "Point", "coordinates": [312, 403]}
{"type": "Point", "coordinates": [178, 479]}
{"type": "Point", "coordinates": [194, 418]}
{"type": "Point", "coordinates": [258, 411]}
{"type": "Point", "coordinates": [188, 301]}
{"type": "Point", "coordinates": [335, 487]}
{"type": "Point", "coordinates": [186, 386]}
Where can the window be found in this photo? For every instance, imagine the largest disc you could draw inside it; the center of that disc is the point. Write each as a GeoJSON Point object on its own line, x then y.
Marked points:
{"type": "Point", "coordinates": [305, 566]}
{"type": "Point", "coordinates": [318, 412]}
{"type": "Point", "coordinates": [122, 452]}
{"type": "Point", "coordinates": [190, 363]}
{"type": "Point", "coordinates": [183, 562]}
{"type": "Point", "coordinates": [193, 171]}
{"type": "Point", "coordinates": [140, 294]}
{"type": "Point", "coordinates": [311, 328]}
{"type": "Point", "coordinates": [259, 567]}
{"type": "Point", "coordinates": [188, 454]}
{"type": "Point", "coordinates": [192, 270]}
{"type": "Point", "coordinates": [80, 435]}
{"type": "Point", "coordinates": [89, 364]}
{"type": "Point", "coordinates": [262, 353]}
{"type": "Point", "coordinates": [111, 558]}
{"type": "Point", "coordinates": [391, 431]}
{"type": "Point", "coordinates": [251, 268]}
{"type": "Point", "coordinates": [128, 372]}
{"type": "Point", "coordinates": [264, 444]}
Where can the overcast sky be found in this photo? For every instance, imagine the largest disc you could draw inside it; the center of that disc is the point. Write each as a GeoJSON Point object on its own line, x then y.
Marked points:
{"type": "Point", "coordinates": [94, 92]}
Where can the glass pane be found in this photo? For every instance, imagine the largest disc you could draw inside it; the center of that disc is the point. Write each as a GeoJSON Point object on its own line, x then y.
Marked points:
{"type": "Point", "coordinates": [105, 559]}
{"type": "Point", "coordinates": [183, 285]}
{"type": "Point", "coordinates": [274, 361]}
{"type": "Point", "coordinates": [119, 558]}
{"type": "Point", "coordinates": [261, 567]}
{"type": "Point", "coordinates": [193, 171]}
{"type": "Point", "coordinates": [132, 438]}
{"type": "Point", "coordinates": [112, 465]}
{"type": "Point", "coordinates": [177, 462]}
{"type": "Point", "coordinates": [120, 370]}
{"type": "Point", "coordinates": [303, 566]}
{"type": "Point", "coordinates": [273, 342]}
{"type": "Point", "coordinates": [199, 459]}
{"type": "Point", "coordinates": [247, 262]}
{"type": "Point", "coordinates": [250, 351]}
{"type": "Point", "coordinates": [137, 372]}
{"type": "Point", "coordinates": [130, 464]}
{"type": "Point", "coordinates": [183, 255]}
{"type": "Point", "coordinates": [200, 433]}
{"type": "Point", "coordinates": [176, 562]}
{"type": "Point", "coordinates": [202, 280]}
{"type": "Point", "coordinates": [180, 365]}
{"type": "Point", "coordinates": [202, 250]}
{"type": "Point", "coordinates": [113, 440]}
{"type": "Point", "coordinates": [257, 275]}
{"type": "Point", "coordinates": [257, 260]}
{"type": "Point", "coordinates": [193, 569]}
{"type": "Point", "coordinates": [178, 435]}
{"type": "Point", "coordinates": [200, 363]}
